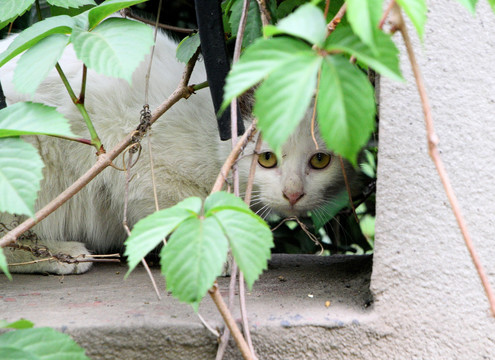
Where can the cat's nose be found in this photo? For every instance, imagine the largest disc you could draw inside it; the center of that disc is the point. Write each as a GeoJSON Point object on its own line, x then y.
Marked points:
{"type": "Point", "coordinates": [293, 197]}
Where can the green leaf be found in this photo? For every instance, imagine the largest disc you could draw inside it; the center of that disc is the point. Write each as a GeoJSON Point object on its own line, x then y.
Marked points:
{"type": "Point", "coordinates": [19, 324]}
{"type": "Point", "coordinates": [4, 266]}
{"type": "Point", "coordinates": [54, 25]}
{"type": "Point", "coordinates": [364, 16]}
{"type": "Point", "coordinates": [43, 344]}
{"type": "Point", "coordinates": [250, 239]}
{"type": "Point", "coordinates": [187, 47]}
{"type": "Point", "coordinates": [492, 4]}
{"type": "Point", "coordinates": [222, 200]}
{"type": "Point", "coordinates": [469, 4]}
{"type": "Point", "coordinates": [253, 23]}
{"type": "Point", "coordinates": [193, 258]}
{"type": "Point", "coordinates": [10, 9]}
{"type": "Point", "coordinates": [284, 97]}
{"type": "Point", "coordinates": [20, 176]}
{"type": "Point", "coordinates": [151, 230]}
{"type": "Point", "coordinates": [258, 61]}
{"type": "Point", "coordinates": [346, 107]}
{"type": "Point", "coordinates": [367, 225]}
{"type": "Point", "coordinates": [114, 48]}
{"type": "Point", "coordinates": [107, 8]}
{"type": "Point", "coordinates": [26, 118]}
{"type": "Point", "coordinates": [74, 12]}
{"type": "Point", "coordinates": [35, 64]}
{"type": "Point", "coordinates": [70, 3]}
{"type": "Point", "coordinates": [286, 7]}
{"type": "Point", "coordinates": [416, 10]}
{"type": "Point", "coordinates": [384, 60]}
{"type": "Point", "coordinates": [12, 353]}
{"type": "Point", "coordinates": [307, 23]}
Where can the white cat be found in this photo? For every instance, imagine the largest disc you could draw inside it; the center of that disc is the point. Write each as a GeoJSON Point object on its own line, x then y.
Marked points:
{"type": "Point", "coordinates": [187, 157]}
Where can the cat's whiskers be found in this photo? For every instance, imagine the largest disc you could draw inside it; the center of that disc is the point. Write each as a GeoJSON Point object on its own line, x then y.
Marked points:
{"type": "Point", "coordinates": [319, 214]}
{"type": "Point", "coordinates": [253, 193]}
{"type": "Point", "coordinates": [261, 209]}
{"type": "Point", "coordinates": [254, 203]}
{"type": "Point", "coordinates": [267, 212]}
{"type": "Point", "coordinates": [256, 197]}
{"type": "Point", "coordinates": [264, 211]}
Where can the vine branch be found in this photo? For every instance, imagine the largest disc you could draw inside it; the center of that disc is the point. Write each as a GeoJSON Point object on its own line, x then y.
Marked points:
{"type": "Point", "coordinates": [336, 19]}
{"type": "Point", "coordinates": [241, 144]}
{"type": "Point", "coordinates": [230, 322]}
{"type": "Point", "coordinates": [128, 13]}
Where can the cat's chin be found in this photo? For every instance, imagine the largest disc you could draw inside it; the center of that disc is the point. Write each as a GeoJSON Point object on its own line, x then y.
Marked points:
{"type": "Point", "coordinates": [284, 211]}
{"type": "Point", "coordinates": [289, 212]}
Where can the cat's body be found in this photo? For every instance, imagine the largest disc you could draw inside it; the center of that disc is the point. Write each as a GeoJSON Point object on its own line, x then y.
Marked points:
{"type": "Point", "coordinates": [187, 157]}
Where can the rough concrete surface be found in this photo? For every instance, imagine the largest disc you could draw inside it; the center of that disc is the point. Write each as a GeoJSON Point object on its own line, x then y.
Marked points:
{"type": "Point", "coordinates": [427, 292]}
{"type": "Point", "coordinates": [123, 319]}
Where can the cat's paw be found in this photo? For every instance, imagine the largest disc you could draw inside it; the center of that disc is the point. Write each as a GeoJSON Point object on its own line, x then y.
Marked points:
{"type": "Point", "coordinates": [75, 250]}
{"type": "Point", "coordinates": [21, 261]}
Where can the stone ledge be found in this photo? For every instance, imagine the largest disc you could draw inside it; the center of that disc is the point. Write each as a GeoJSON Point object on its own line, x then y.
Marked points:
{"type": "Point", "coordinates": [122, 319]}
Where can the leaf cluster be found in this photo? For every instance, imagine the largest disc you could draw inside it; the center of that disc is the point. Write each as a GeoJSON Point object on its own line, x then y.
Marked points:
{"type": "Point", "coordinates": [200, 235]}
{"type": "Point", "coordinates": [297, 63]}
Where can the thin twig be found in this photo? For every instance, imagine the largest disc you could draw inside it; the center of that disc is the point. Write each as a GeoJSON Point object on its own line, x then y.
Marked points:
{"type": "Point", "coordinates": [235, 175]}
{"type": "Point", "coordinates": [327, 7]}
{"type": "Point", "coordinates": [266, 18]}
{"type": "Point", "coordinates": [435, 156]}
{"type": "Point", "coordinates": [224, 339]}
{"type": "Point", "coordinates": [313, 117]}
{"type": "Point", "coordinates": [247, 200]}
{"type": "Point", "coordinates": [95, 139]}
{"type": "Point", "coordinates": [241, 144]}
{"type": "Point", "coordinates": [230, 322]}
{"type": "Point", "coordinates": [148, 72]}
{"type": "Point", "coordinates": [208, 326]}
{"type": "Point", "coordinates": [126, 227]}
{"type": "Point", "coordinates": [252, 170]}
{"type": "Point", "coordinates": [304, 228]}
{"type": "Point", "coordinates": [244, 316]}
{"type": "Point", "coordinates": [46, 255]}
{"type": "Point", "coordinates": [348, 188]}
{"type": "Point", "coordinates": [385, 14]}
{"type": "Point", "coordinates": [82, 94]}
{"type": "Point", "coordinates": [146, 102]}
{"type": "Point", "coordinates": [153, 179]}
{"type": "Point", "coordinates": [336, 19]}
{"type": "Point", "coordinates": [127, 13]}
{"type": "Point", "coordinates": [233, 104]}
{"type": "Point", "coordinates": [54, 258]}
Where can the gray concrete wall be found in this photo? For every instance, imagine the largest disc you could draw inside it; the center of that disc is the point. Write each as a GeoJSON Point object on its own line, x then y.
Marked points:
{"type": "Point", "coordinates": [427, 293]}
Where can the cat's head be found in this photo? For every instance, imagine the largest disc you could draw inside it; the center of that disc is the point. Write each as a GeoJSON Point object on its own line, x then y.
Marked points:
{"type": "Point", "coordinates": [304, 178]}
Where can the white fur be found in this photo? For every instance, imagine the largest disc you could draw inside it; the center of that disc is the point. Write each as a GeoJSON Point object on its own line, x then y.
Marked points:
{"type": "Point", "coordinates": [186, 148]}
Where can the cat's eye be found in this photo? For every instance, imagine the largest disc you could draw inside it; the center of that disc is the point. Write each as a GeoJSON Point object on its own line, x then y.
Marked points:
{"type": "Point", "coordinates": [267, 160]}
{"type": "Point", "coordinates": [319, 161]}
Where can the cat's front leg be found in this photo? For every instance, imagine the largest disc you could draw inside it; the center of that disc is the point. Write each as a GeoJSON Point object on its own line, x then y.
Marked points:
{"type": "Point", "coordinates": [53, 257]}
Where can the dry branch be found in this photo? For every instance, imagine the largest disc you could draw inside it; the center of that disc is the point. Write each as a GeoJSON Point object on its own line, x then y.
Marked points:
{"type": "Point", "coordinates": [229, 320]}
{"type": "Point", "coordinates": [336, 19]}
